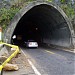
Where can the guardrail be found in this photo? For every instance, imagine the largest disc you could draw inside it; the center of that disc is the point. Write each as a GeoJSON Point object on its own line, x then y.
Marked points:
{"type": "Point", "coordinates": [10, 57]}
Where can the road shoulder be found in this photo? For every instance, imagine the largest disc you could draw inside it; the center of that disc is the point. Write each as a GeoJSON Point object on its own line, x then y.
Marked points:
{"type": "Point", "coordinates": [24, 66]}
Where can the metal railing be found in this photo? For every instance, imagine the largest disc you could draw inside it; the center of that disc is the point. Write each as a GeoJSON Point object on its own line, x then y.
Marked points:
{"type": "Point", "coordinates": [10, 57]}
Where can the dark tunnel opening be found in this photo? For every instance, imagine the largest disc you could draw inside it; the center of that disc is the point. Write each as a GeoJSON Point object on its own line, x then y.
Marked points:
{"type": "Point", "coordinates": [44, 24]}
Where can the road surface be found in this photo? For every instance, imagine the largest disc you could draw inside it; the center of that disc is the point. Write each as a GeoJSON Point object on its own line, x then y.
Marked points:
{"type": "Point", "coordinates": [51, 61]}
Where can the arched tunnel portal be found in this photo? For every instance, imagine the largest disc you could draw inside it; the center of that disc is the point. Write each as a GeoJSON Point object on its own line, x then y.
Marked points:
{"type": "Point", "coordinates": [42, 21]}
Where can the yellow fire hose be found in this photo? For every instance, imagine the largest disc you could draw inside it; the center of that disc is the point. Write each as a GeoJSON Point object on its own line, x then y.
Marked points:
{"type": "Point", "coordinates": [10, 57]}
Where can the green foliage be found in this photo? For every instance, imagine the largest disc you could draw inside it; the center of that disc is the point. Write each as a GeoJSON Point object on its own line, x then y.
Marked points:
{"type": "Point", "coordinates": [50, 0]}
{"type": "Point", "coordinates": [6, 15]}
{"type": "Point", "coordinates": [68, 10]}
{"type": "Point", "coordinates": [62, 1]}
{"type": "Point", "coordinates": [68, 7]}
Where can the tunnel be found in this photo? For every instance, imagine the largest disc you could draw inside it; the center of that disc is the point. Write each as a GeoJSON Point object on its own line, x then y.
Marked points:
{"type": "Point", "coordinates": [43, 22]}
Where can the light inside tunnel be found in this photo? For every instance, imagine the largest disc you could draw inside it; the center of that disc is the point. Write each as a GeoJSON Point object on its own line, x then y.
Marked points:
{"type": "Point", "coordinates": [45, 24]}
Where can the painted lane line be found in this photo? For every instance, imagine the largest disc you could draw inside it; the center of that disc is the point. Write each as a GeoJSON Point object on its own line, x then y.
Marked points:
{"type": "Point", "coordinates": [56, 54]}
{"type": "Point", "coordinates": [49, 52]}
{"type": "Point", "coordinates": [33, 67]}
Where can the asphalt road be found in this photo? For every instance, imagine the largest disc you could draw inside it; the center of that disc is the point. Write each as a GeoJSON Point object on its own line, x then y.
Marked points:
{"type": "Point", "coordinates": [51, 61]}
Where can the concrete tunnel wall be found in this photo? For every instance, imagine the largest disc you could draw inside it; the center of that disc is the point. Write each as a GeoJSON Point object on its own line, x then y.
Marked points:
{"type": "Point", "coordinates": [55, 28]}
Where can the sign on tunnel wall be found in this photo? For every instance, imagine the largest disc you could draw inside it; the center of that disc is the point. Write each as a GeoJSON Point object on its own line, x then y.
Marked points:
{"type": "Point", "coordinates": [53, 26]}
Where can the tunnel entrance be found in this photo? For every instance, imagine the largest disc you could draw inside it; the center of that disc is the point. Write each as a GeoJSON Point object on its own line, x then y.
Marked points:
{"type": "Point", "coordinates": [43, 22]}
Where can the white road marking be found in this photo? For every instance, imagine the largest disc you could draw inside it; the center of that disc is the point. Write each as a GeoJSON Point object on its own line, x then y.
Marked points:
{"type": "Point", "coordinates": [33, 67]}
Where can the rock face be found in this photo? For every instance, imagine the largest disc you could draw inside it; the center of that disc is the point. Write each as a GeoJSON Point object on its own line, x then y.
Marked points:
{"type": "Point", "coordinates": [2, 59]}
{"type": "Point", "coordinates": [10, 67]}
{"type": "Point", "coordinates": [4, 52]}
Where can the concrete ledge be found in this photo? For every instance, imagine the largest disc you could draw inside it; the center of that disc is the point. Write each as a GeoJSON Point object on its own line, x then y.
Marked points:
{"type": "Point", "coordinates": [59, 47]}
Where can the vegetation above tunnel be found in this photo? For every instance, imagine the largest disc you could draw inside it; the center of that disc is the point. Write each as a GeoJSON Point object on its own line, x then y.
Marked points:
{"type": "Point", "coordinates": [10, 8]}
